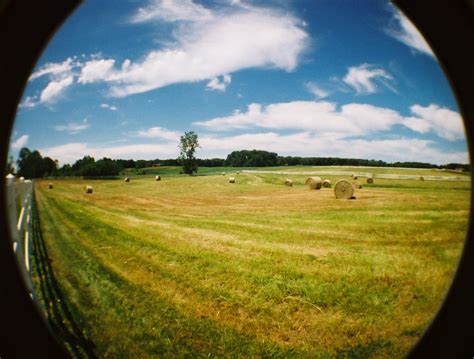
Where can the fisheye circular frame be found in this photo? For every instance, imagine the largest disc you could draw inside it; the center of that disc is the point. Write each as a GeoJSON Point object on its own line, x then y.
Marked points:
{"type": "Point", "coordinates": [26, 26]}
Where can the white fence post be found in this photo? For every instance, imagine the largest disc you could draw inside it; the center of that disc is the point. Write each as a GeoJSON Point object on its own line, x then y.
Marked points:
{"type": "Point", "coordinates": [19, 226]}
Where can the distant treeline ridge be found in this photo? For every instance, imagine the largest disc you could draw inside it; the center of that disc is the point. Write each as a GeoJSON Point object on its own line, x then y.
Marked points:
{"type": "Point", "coordinates": [31, 164]}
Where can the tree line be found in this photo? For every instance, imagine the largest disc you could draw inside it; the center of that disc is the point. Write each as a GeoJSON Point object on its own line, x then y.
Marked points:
{"type": "Point", "coordinates": [31, 164]}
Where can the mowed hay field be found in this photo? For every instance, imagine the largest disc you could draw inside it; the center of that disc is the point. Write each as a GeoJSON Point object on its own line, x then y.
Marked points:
{"type": "Point", "coordinates": [196, 266]}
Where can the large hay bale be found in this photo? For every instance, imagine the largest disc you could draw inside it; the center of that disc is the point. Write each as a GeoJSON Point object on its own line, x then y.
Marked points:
{"type": "Point", "coordinates": [357, 184]}
{"type": "Point", "coordinates": [314, 182]}
{"type": "Point", "coordinates": [327, 183]}
{"type": "Point", "coordinates": [127, 179]}
{"type": "Point", "coordinates": [50, 185]}
{"type": "Point", "coordinates": [289, 182]}
{"type": "Point", "coordinates": [88, 189]}
{"type": "Point", "coordinates": [422, 178]}
{"type": "Point", "coordinates": [231, 180]}
{"type": "Point", "coordinates": [343, 189]}
{"type": "Point", "coordinates": [157, 178]}
{"type": "Point", "coordinates": [370, 180]}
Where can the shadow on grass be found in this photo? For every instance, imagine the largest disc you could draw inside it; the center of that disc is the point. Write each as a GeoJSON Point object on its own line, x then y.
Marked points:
{"type": "Point", "coordinates": [59, 314]}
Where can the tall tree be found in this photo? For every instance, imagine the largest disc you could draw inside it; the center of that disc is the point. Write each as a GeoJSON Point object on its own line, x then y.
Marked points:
{"type": "Point", "coordinates": [188, 145]}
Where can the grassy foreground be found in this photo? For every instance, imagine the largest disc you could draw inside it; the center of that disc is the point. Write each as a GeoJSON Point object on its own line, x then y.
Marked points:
{"type": "Point", "coordinates": [195, 266]}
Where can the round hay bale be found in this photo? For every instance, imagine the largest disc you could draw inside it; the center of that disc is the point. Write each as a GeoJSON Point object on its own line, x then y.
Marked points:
{"type": "Point", "coordinates": [50, 186]}
{"type": "Point", "coordinates": [327, 183]}
{"type": "Point", "coordinates": [343, 189]}
{"type": "Point", "coordinates": [157, 178]}
{"type": "Point", "coordinates": [288, 182]}
{"type": "Point", "coordinates": [422, 178]}
{"type": "Point", "coordinates": [357, 184]}
{"type": "Point", "coordinates": [354, 176]}
{"type": "Point", "coordinates": [127, 179]}
{"type": "Point", "coordinates": [314, 182]}
{"type": "Point", "coordinates": [231, 180]}
{"type": "Point", "coordinates": [88, 189]}
{"type": "Point", "coordinates": [370, 180]}
{"type": "Point", "coordinates": [223, 173]}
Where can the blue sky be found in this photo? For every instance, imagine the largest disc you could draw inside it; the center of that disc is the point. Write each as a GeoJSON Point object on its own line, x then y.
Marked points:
{"type": "Point", "coordinates": [124, 79]}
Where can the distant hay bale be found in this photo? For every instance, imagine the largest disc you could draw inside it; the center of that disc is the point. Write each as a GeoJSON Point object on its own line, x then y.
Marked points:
{"type": "Point", "coordinates": [357, 184]}
{"type": "Point", "coordinates": [127, 179]}
{"type": "Point", "coordinates": [231, 180]}
{"type": "Point", "coordinates": [223, 173]}
{"type": "Point", "coordinates": [288, 182]}
{"type": "Point", "coordinates": [354, 176]}
{"type": "Point", "coordinates": [314, 182]}
{"type": "Point", "coordinates": [157, 178]}
{"type": "Point", "coordinates": [370, 180]}
{"type": "Point", "coordinates": [343, 189]}
{"type": "Point", "coordinates": [50, 186]}
{"type": "Point", "coordinates": [422, 178]}
{"type": "Point", "coordinates": [88, 189]}
{"type": "Point", "coordinates": [327, 183]}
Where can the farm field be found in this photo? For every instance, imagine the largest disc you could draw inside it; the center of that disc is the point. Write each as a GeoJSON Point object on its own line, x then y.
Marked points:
{"type": "Point", "coordinates": [195, 266]}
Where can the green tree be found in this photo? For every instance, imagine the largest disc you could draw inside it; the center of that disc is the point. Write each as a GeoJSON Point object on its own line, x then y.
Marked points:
{"type": "Point", "coordinates": [188, 145]}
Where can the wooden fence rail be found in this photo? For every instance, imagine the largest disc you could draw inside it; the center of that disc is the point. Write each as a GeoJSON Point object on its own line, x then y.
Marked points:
{"type": "Point", "coordinates": [19, 202]}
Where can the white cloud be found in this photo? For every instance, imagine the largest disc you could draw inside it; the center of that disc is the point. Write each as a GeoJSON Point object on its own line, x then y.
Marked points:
{"type": "Point", "coordinates": [54, 69]}
{"type": "Point", "coordinates": [205, 45]}
{"type": "Point", "coordinates": [408, 34]}
{"type": "Point", "coordinates": [215, 84]}
{"type": "Point", "coordinates": [172, 10]}
{"type": "Point", "coordinates": [297, 144]}
{"type": "Point", "coordinates": [444, 122]}
{"type": "Point", "coordinates": [96, 70]}
{"type": "Point", "coordinates": [73, 127]}
{"type": "Point", "coordinates": [159, 132]}
{"type": "Point", "coordinates": [54, 90]}
{"type": "Point", "coordinates": [20, 142]}
{"type": "Point", "coordinates": [222, 44]}
{"type": "Point", "coordinates": [316, 90]}
{"type": "Point", "coordinates": [353, 119]}
{"type": "Point", "coordinates": [107, 106]}
{"type": "Point", "coordinates": [363, 77]}
{"type": "Point", "coordinates": [71, 152]}
{"type": "Point", "coordinates": [29, 102]}
{"type": "Point", "coordinates": [319, 116]}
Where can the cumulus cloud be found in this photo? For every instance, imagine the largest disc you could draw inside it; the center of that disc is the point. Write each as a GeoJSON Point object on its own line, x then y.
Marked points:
{"type": "Point", "coordinates": [444, 122]}
{"type": "Point", "coordinates": [215, 84]}
{"type": "Point", "coordinates": [353, 119]}
{"type": "Point", "coordinates": [73, 127]}
{"type": "Point", "coordinates": [29, 102]}
{"type": "Point", "coordinates": [55, 90]}
{"type": "Point", "coordinates": [109, 107]}
{"type": "Point", "coordinates": [296, 144]}
{"type": "Point", "coordinates": [54, 69]}
{"type": "Point", "coordinates": [71, 152]}
{"type": "Point", "coordinates": [319, 116]}
{"type": "Point", "coordinates": [202, 50]}
{"type": "Point", "coordinates": [96, 70]}
{"type": "Point", "coordinates": [405, 32]}
{"type": "Point", "coordinates": [363, 78]}
{"type": "Point", "coordinates": [20, 142]}
{"type": "Point", "coordinates": [303, 143]}
{"type": "Point", "coordinates": [171, 11]}
{"type": "Point", "coordinates": [205, 45]}
{"type": "Point", "coordinates": [316, 90]}
{"type": "Point", "coordinates": [159, 132]}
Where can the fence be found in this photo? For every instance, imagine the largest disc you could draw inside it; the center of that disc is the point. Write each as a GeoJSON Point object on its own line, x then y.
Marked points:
{"type": "Point", "coordinates": [19, 201]}
{"type": "Point", "coordinates": [365, 174]}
